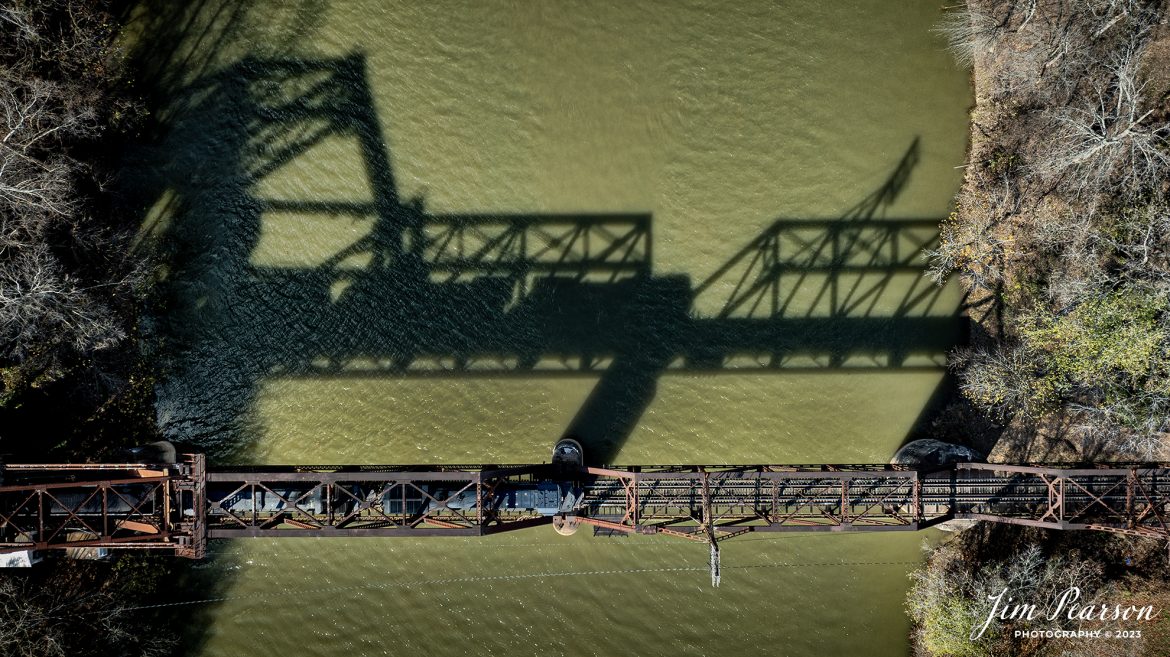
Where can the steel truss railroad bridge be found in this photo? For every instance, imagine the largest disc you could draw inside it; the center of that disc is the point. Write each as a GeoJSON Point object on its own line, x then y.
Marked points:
{"type": "Point", "coordinates": [177, 507]}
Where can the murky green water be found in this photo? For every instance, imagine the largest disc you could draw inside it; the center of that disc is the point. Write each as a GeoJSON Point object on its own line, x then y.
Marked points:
{"type": "Point", "coordinates": [720, 210]}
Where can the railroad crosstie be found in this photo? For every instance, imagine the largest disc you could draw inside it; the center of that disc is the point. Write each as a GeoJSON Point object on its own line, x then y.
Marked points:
{"type": "Point", "coordinates": [177, 507]}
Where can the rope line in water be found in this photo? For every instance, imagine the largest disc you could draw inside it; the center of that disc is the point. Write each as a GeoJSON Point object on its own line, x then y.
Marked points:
{"type": "Point", "coordinates": [494, 578]}
{"type": "Point", "coordinates": [617, 543]}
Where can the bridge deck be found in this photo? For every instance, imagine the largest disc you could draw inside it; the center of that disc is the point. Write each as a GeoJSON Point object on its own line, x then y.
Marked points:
{"type": "Point", "coordinates": [178, 507]}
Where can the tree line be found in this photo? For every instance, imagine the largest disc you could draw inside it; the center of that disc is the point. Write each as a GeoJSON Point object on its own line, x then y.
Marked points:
{"type": "Point", "coordinates": [71, 286]}
{"type": "Point", "coordinates": [72, 289]}
{"type": "Point", "coordinates": [1061, 238]}
{"type": "Point", "coordinates": [1062, 226]}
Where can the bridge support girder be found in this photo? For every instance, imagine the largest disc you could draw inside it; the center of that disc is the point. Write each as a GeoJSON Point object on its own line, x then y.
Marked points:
{"type": "Point", "coordinates": [177, 507]}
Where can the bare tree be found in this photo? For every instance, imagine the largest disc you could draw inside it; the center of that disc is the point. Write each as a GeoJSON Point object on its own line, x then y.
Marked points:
{"type": "Point", "coordinates": [950, 596]}
{"type": "Point", "coordinates": [41, 301]}
{"type": "Point", "coordinates": [999, 380]}
{"type": "Point", "coordinates": [1110, 139]}
{"type": "Point", "coordinates": [77, 609]}
{"type": "Point", "coordinates": [37, 299]}
{"type": "Point", "coordinates": [969, 31]}
{"type": "Point", "coordinates": [976, 248]}
{"type": "Point", "coordinates": [67, 294]}
{"type": "Point", "coordinates": [1137, 424]}
{"type": "Point", "coordinates": [1138, 245]}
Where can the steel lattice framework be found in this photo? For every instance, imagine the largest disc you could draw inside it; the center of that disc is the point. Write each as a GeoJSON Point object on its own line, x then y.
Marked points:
{"type": "Point", "coordinates": [368, 501]}
{"type": "Point", "coordinates": [108, 505]}
{"type": "Point", "coordinates": [178, 507]}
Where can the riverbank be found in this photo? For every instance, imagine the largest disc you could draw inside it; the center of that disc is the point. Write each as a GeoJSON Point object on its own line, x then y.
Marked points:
{"type": "Point", "coordinates": [1059, 230]}
{"type": "Point", "coordinates": [75, 382]}
{"type": "Point", "coordinates": [1061, 236]}
{"type": "Point", "coordinates": [76, 378]}
{"type": "Point", "coordinates": [949, 601]}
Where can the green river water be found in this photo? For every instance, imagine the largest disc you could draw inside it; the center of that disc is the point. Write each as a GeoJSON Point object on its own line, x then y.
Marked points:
{"type": "Point", "coordinates": [301, 137]}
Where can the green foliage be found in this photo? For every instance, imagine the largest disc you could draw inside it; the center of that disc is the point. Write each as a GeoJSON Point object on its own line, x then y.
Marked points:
{"type": "Point", "coordinates": [1089, 332]}
{"type": "Point", "coordinates": [1065, 218]}
{"type": "Point", "coordinates": [1109, 352]}
{"type": "Point", "coordinates": [950, 596]}
{"type": "Point", "coordinates": [1001, 162]}
{"type": "Point", "coordinates": [946, 629]}
{"type": "Point", "coordinates": [1119, 338]}
{"type": "Point", "coordinates": [1108, 356]}
{"type": "Point", "coordinates": [942, 605]}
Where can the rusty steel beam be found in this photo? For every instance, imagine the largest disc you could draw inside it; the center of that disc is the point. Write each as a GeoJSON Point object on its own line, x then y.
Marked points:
{"type": "Point", "coordinates": [379, 532]}
{"type": "Point", "coordinates": [330, 477]}
{"type": "Point", "coordinates": [131, 505]}
{"type": "Point", "coordinates": [113, 506]}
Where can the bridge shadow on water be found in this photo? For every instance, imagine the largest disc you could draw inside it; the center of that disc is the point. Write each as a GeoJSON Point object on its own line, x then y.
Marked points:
{"type": "Point", "coordinates": [422, 294]}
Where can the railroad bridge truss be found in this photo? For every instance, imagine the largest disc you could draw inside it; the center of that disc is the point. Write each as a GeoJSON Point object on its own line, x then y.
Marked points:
{"type": "Point", "coordinates": [177, 508]}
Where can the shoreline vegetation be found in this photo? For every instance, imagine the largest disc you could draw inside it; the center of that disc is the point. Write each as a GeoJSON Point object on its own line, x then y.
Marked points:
{"type": "Point", "coordinates": [76, 383]}
{"type": "Point", "coordinates": [1061, 238]}
{"type": "Point", "coordinates": [1061, 233]}
{"type": "Point", "coordinates": [73, 378]}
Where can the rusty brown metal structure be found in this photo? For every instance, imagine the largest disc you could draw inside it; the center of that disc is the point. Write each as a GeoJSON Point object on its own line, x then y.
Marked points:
{"type": "Point", "coordinates": [370, 501]}
{"type": "Point", "coordinates": [178, 507]}
{"type": "Point", "coordinates": [1131, 500]}
{"type": "Point", "coordinates": [720, 502]}
{"type": "Point", "coordinates": [105, 505]}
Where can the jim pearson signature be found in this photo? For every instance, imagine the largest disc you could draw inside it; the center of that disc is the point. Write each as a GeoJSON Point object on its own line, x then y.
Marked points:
{"type": "Point", "coordinates": [1065, 605]}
